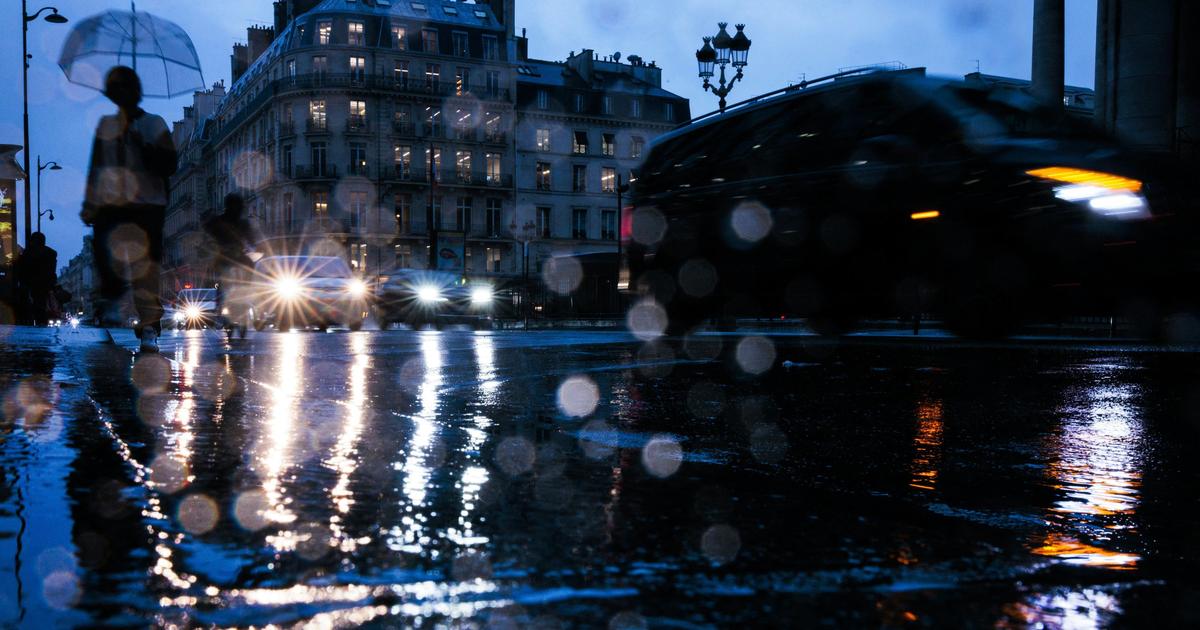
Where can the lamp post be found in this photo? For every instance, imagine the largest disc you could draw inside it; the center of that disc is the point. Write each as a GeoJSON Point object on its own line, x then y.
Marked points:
{"type": "Point", "coordinates": [723, 50]}
{"type": "Point", "coordinates": [26, 18]}
{"type": "Point", "coordinates": [523, 236]}
{"type": "Point", "coordinates": [41, 167]}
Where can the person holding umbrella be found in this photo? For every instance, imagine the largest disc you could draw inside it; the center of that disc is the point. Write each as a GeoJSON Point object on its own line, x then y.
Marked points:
{"type": "Point", "coordinates": [133, 156]}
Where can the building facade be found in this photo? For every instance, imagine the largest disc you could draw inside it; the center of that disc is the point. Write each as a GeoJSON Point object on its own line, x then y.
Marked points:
{"type": "Point", "coordinates": [370, 129]}
{"type": "Point", "coordinates": [78, 278]}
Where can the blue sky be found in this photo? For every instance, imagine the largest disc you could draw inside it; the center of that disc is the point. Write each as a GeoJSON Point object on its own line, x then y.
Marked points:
{"type": "Point", "coordinates": [791, 40]}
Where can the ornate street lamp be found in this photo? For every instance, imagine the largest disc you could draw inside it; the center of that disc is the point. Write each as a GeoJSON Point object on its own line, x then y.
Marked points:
{"type": "Point", "coordinates": [524, 235]}
{"type": "Point", "coordinates": [26, 18]}
{"type": "Point", "coordinates": [723, 50]}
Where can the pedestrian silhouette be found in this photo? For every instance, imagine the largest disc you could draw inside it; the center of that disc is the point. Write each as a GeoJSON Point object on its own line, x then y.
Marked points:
{"type": "Point", "coordinates": [233, 240]}
{"type": "Point", "coordinates": [35, 278]}
{"type": "Point", "coordinates": [132, 158]}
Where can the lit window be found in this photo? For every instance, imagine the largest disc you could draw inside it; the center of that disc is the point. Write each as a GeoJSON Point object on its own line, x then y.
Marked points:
{"type": "Point", "coordinates": [542, 175]}
{"type": "Point", "coordinates": [580, 146]}
{"type": "Point", "coordinates": [636, 146]}
{"type": "Point", "coordinates": [462, 166]}
{"type": "Point", "coordinates": [543, 139]}
{"type": "Point", "coordinates": [608, 144]}
{"type": "Point", "coordinates": [355, 34]}
{"type": "Point", "coordinates": [399, 37]}
{"type": "Point", "coordinates": [324, 31]}
{"type": "Point", "coordinates": [608, 179]}
{"type": "Point", "coordinates": [320, 204]}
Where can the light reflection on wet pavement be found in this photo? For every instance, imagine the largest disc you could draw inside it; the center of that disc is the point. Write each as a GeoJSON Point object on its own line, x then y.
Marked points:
{"type": "Point", "coordinates": [561, 479]}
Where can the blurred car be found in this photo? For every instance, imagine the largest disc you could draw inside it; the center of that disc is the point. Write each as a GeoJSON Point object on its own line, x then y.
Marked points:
{"type": "Point", "coordinates": [895, 193]}
{"type": "Point", "coordinates": [299, 291]}
{"type": "Point", "coordinates": [192, 308]}
{"type": "Point", "coordinates": [438, 298]}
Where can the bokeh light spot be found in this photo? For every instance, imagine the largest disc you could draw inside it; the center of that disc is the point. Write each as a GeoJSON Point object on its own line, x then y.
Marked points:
{"type": "Point", "coordinates": [755, 355]}
{"type": "Point", "coordinates": [720, 544]}
{"type": "Point", "coordinates": [198, 514]}
{"type": "Point", "coordinates": [578, 396]}
{"type": "Point", "coordinates": [647, 320]}
{"type": "Point", "coordinates": [662, 456]}
{"type": "Point", "coordinates": [515, 456]}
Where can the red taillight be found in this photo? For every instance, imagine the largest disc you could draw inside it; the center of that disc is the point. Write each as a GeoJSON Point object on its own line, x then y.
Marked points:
{"type": "Point", "coordinates": [626, 224]}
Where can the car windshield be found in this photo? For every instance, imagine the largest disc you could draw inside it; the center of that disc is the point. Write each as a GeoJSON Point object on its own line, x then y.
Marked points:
{"type": "Point", "coordinates": [304, 267]}
{"type": "Point", "coordinates": [198, 295]}
{"type": "Point", "coordinates": [996, 113]}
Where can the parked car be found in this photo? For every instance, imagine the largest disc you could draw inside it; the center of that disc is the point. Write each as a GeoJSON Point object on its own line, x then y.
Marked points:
{"type": "Point", "coordinates": [438, 298]}
{"type": "Point", "coordinates": [896, 193]}
{"type": "Point", "coordinates": [300, 291]}
{"type": "Point", "coordinates": [192, 308]}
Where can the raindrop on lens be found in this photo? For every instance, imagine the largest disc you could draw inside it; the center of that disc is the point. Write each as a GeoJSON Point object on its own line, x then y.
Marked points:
{"type": "Point", "coordinates": [563, 275]}
{"type": "Point", "coordinates": [648, 226]}
{"type": "Point", "coordinates": [720, 544]}
{"type": "Point", "coordinates": [198, 514]}
{"type": "Point", "coordinates": [578, 396]}
{"type": "Point", "coordinates": [168, 474]}
{"type": "Point", "coordinates": [662, 456]}
{"type": "Point", "coordinates": [250, 509]}
{"type": "Point", "coordinates": [751, 222]}
{"type": "Point", "coordinates": [151, 373]}
{"type": "Point", "coordinates": [515, 456]}
{"type": "Point", "coordinates": [655, 359]}
{"type": "Point", "coordinates": [627, 620]}
{"type": "Point", "coordinates": [698, 278]}
{"type": "Point", "coordinates": [755, 355]}
{"type": "Point", "coordinates": [647, 320]}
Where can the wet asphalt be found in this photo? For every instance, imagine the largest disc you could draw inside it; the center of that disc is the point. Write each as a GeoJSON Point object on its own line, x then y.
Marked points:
{"type": "Point", "coordinates": [566, 479]}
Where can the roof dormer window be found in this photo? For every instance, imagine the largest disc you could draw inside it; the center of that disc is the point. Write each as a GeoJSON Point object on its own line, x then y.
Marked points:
{"type": "Point", "coordinates": [418, 6]}
{"type": "Point", "coordinates": [450, 10]}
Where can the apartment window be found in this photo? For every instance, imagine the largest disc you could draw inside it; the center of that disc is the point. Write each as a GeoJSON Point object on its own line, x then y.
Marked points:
{"type": "Point", "coordinates": [429, 40]}
{"type": "Point", "coordinates": [320, 65]}
{"type": "Point", "coordinates": [403, 256]}
{"type": "Point", "coordinates": [608, 225]}
{"type": "Point", "coordinates": [358, 209]}
{"type": "Point", "coordinates": [291, 71]}
{"type": "Point", "coordinates": [492, 166]}
{"type": "Point", "coordinates": [354, 34]}
{"type": "Point", "coordinates": [669, 111]}
{"type": "Point", "coordinates": [494, 216]}
{"type": "Point", "coordinates": [543, 99]}
{"type": "Point", "coordinates": [635, 108]}
{"type": "Point", "coordinates": [358, 115]}
{"type": "Point", "coordinates": [608, 179]}
{"type": "Point", "coordinates": [358, 69]}
{"type": "Point", "coordinates": [462, 81]}
{"type": "Point", "coordinates": [358, 158]}
{"type": "Point", "coordinates": [491, 126]}
{"type": "Point", "coordinates": [636, 146]}
{"type": "Point", "coordinates": [285, 160]}
{"type": "Point", "coordinates": [543, 222]}
{"type": "Point", "coordinates": [288, 209]}
{"type": "Point", "coordinates": [491, 48]}
{"type": "Point", "coordinates": [462, 166]}
{"type": "Point", "coordinates": [542, 175]}
{"type": "Point", "coordinates": [399, 37]}
{"type": "Point", "coordinates": [579, 178]}
{"type": "Point", "coordinates": [580, 144]}
{"type": "Point", "coordinates": [400, 73]}
{"type": "Point", "coordinates": [435, 204]}
{"type": "Point", "coordinates": [358, 257]}
{"type": "Point", "coordinates": [433, 76]}
{"type": "Point", "coordinates": [402, 158]}
{"type": "Point", "coordinates": [402, 119]}
{"type": "Point", "coordinates": [318, 154]}
{"type": "Point", "coordinates": [579, 218]}
{"type": "Point", "coordinates": [324, 30]}
{"type": "Point", "coordinates": [462, 216]}
{"type": "Point", "coordinates": [607, 105]}
{"type": "Point", "coordinates": [493, 259]}
{"type": "Point", "coordinates": [493, 83]}
{"type": "Point", "coordinates": [320, 204]}
{"type": "Point", "coordinates": [608, 144]}
{"type": "Point", "coordinates": [461, 46]}
{"type": "Point", "coordinates": [403, 206]}
{"type": "Point", "coordinates": [579, 100]}
{"type": "Point", "coordinates": [543, 139]}
{"type": "Point", "coordinates": [433, 120]}
{"type": "Point", "coordinates": [433, 160]}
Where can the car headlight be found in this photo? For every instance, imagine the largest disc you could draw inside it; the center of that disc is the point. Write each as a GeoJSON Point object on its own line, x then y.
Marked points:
{"type": "Point", "coordinates": [288, 288]}
{"type": "Point", "coordinates": [192, 312]}
{"type": "Point", "coordinates": [481, 295]}
{"type": "Point", "coordinates": [179, 316]}
{"type": "Point", "coordinates": [429, 294]}
{"type": "Point", "coordinates": [357, 288]}
{"type": "Point", "coordinates": [1105, 194]}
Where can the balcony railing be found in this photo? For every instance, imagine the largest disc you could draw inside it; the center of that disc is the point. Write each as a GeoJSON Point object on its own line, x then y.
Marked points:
{"type": "Point", "coordinates": [357, 124]}
{"type": "Point", "coordinates": [358, 169]}
{"type": "Point", "coordinates": [403, 128]}
{"type": "Point", "coordinates": [434, 129]}
{"type": "Point", "coordinates": [287, 128]}
{"type": "Point", "coordinates": [317, 125]}
{"type": "Point", "coordinates": [495, 137]}
{"type": "Point", "coordinates": [317, 171]}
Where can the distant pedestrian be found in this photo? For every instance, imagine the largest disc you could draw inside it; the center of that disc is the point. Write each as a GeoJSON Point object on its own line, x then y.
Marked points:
{"type": "Point", "coordinates": [233, 240]}
{"type": "Point", "coordinates": [35, 278]}
{"type": "Point", "coordinates": [132, 158]}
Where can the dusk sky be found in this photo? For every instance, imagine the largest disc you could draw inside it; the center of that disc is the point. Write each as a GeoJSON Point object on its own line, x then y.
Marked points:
{"type": "Point", "coordinates": [791, 40]}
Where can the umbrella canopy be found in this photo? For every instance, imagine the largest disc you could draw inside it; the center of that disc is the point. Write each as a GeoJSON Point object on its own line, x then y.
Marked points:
{"type": "Point", "coordinates": [159, 50]}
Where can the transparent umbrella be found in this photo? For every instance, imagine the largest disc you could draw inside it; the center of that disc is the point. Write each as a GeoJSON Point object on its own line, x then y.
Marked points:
{"type": "Point", "coordinates": [159, 50]}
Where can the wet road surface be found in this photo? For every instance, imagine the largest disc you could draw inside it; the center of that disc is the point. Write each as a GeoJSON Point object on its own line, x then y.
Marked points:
{"type": "Point", "coordinates": [558, 479]}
